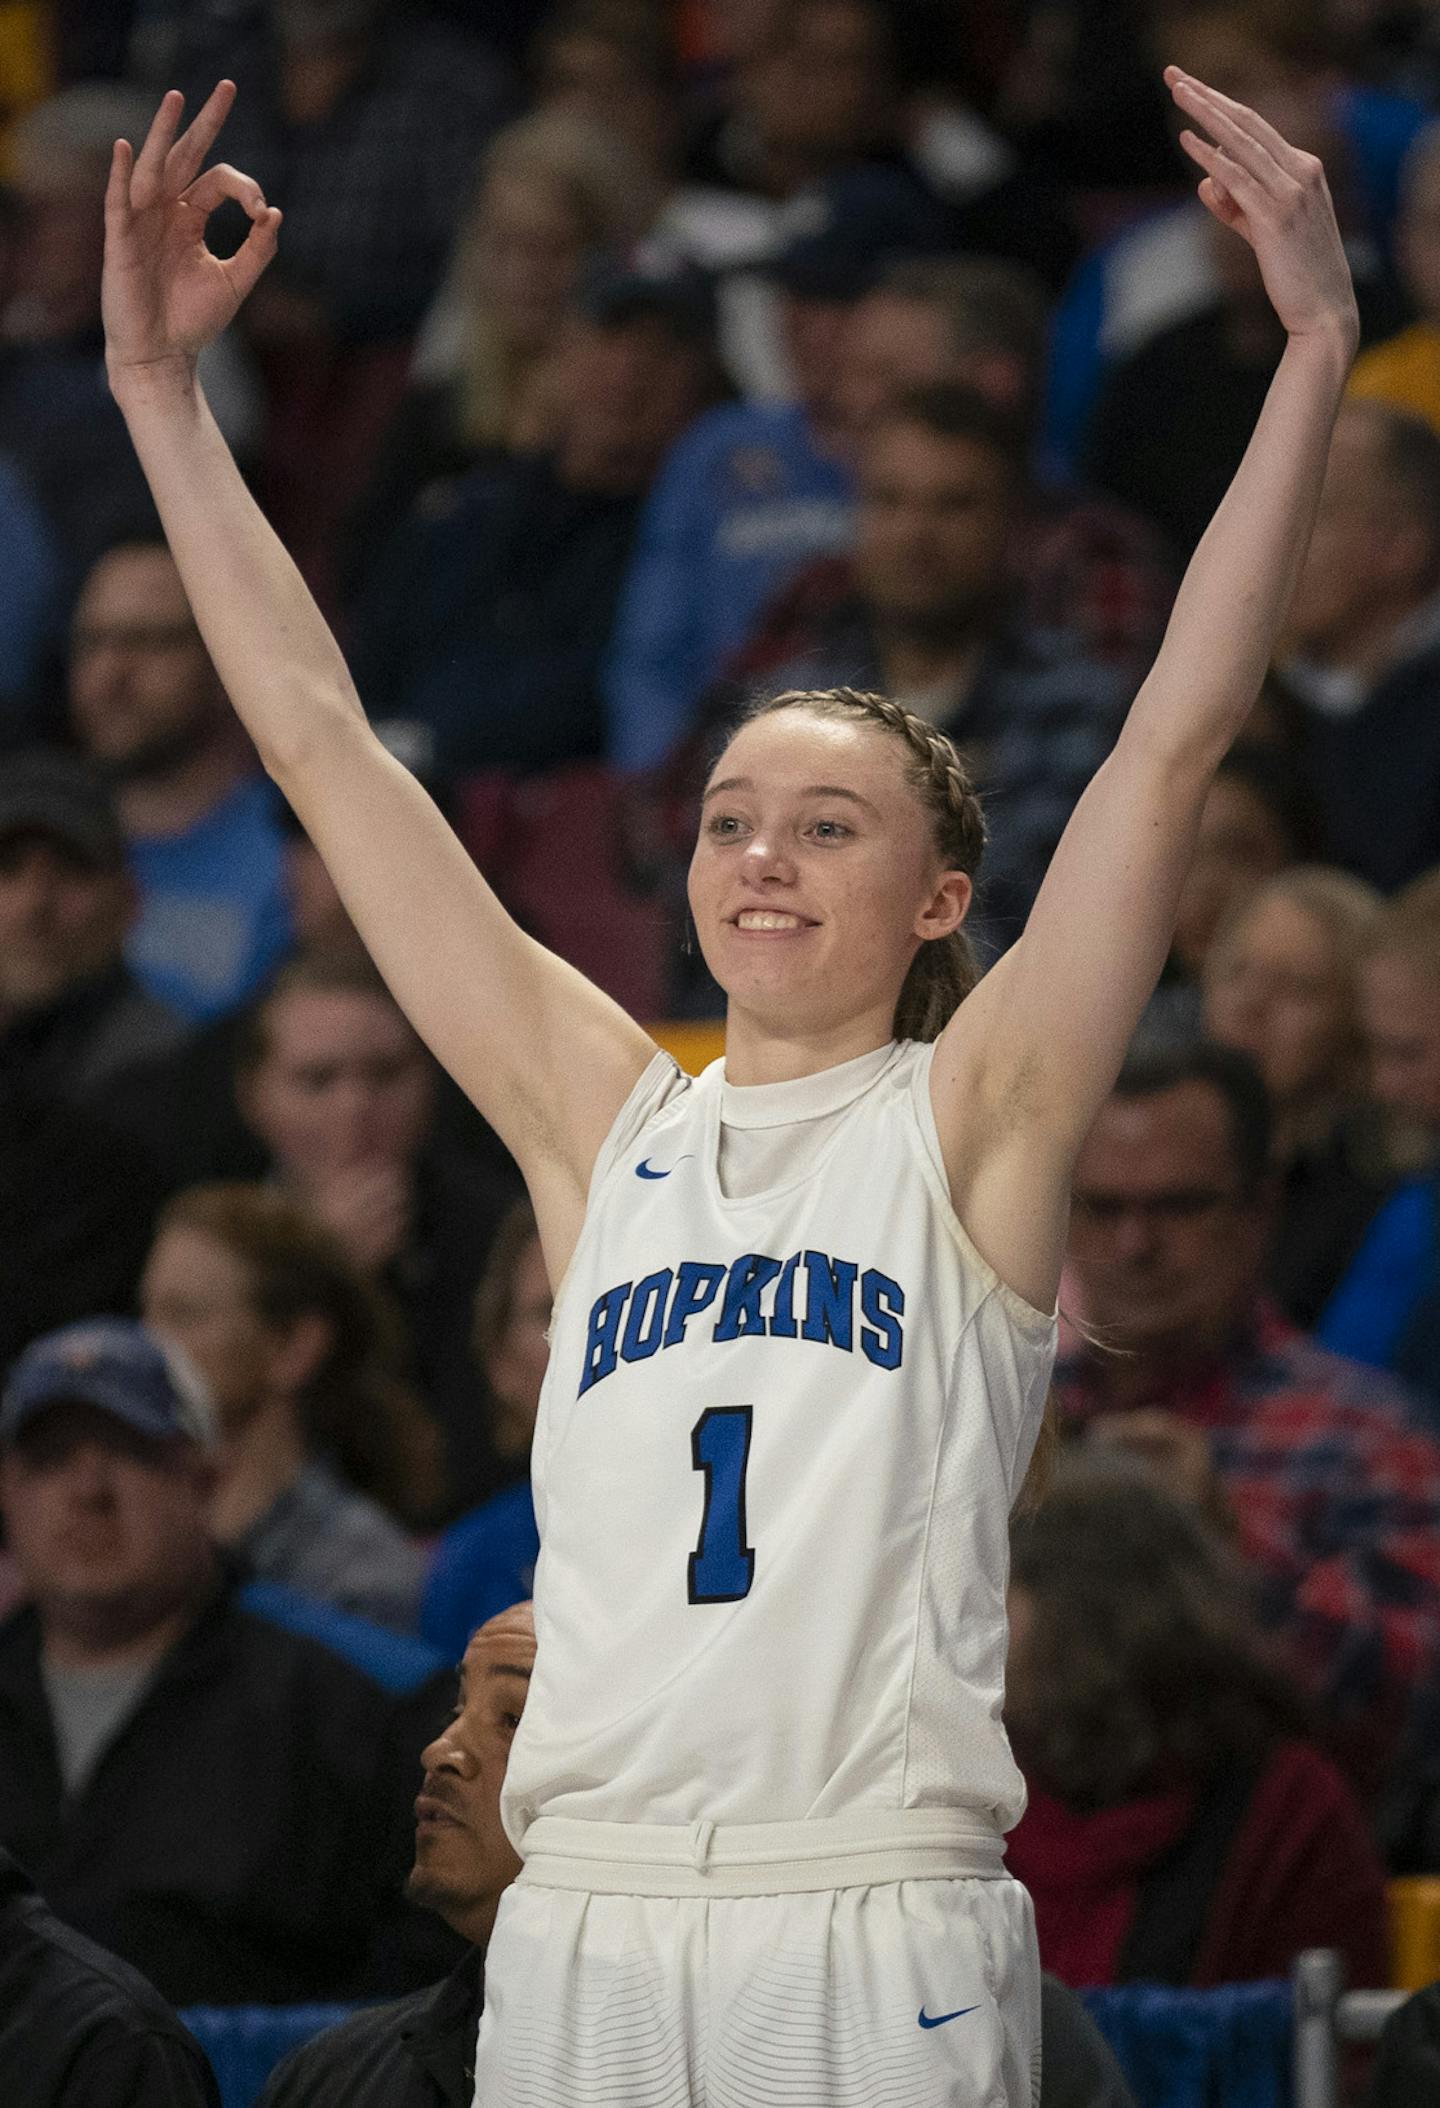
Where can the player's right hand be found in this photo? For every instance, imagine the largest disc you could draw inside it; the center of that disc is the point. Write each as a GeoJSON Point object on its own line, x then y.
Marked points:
{"type": "Point", "coordinates": [164, 296]}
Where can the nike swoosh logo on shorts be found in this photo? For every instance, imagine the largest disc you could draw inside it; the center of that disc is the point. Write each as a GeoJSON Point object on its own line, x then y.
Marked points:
{"type": "Point", "coordinates": [644, 1171]}
{"type": "Point", "coordinates": [941, 2018]}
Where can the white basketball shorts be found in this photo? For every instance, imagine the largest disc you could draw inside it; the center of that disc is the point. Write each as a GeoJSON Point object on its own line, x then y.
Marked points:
{"type": "Point", "coordinates": [905, 1994]}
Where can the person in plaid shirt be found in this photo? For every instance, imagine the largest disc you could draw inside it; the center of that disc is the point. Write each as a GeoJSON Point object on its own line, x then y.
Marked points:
{"type": "Point", "coordinates": [1320, 1468]}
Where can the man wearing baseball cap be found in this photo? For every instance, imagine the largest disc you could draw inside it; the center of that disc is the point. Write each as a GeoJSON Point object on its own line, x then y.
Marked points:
{"type": "Point", "coordinates": [71, 1012]}
{"type": "Point", "coordinates": [78, 1192]}
{"type": "Point", "coordinates": [210, 1777]}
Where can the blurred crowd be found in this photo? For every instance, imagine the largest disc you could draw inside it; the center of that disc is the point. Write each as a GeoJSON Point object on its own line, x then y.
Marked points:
{"type": "Point", "coordinates": [621, 360]}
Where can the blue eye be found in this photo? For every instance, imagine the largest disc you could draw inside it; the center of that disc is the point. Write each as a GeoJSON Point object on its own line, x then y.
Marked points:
{"type": "Point", "coordinates": [723, 823]}
{"type": "Point", "coordinates": [831, 830]}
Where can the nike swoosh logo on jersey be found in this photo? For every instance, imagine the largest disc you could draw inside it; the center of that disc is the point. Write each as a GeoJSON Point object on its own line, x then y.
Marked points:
{"type": "Point", "coordinates": [941, 2018]}
{"type": "Point", "coordinates": [644, 1171]}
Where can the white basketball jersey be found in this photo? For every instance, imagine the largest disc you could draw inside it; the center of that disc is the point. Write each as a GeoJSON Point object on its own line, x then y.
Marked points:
{"type": "Point", "coordinates": [777, 1449]}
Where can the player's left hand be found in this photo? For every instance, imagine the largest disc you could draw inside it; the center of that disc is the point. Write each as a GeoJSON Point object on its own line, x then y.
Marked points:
{"type": "Point", "coordinates": [1277, 198]}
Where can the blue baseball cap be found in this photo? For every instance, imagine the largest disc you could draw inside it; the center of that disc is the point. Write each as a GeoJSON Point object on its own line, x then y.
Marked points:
{"type": "Point", "coordinates": [836, 240]}
{"type": "Point", "coordinates": [119, 1368]}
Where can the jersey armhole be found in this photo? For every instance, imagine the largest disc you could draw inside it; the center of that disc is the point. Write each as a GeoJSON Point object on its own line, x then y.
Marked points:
{"type": "Point", "coordinates": [656, 1084]}
{"type": "Point", "coordinates": [653, 1089]}
{"type": "Point", "coordinates": [1036, 1325]}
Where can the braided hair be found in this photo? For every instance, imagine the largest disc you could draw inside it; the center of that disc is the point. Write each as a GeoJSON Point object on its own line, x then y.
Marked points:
{"type": "Point", "coordinates": [945, 969]}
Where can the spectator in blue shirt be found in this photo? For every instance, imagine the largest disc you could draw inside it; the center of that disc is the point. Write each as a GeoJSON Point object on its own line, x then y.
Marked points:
{"type": "Point", "coordinates": [755, 491]}
{"type": "Point", "coordinates": [198, 817]}
{"type": "Point", "coordinates": [486, 1561]}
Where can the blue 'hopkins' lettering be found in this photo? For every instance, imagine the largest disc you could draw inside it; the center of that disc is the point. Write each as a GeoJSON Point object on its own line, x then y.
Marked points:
{"type": "Point", "coordinates": [754, 1297]}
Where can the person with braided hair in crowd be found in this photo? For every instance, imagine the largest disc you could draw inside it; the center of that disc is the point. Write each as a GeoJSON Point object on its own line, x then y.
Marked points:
{"type": "Point", "coordinates": [805, 1314]}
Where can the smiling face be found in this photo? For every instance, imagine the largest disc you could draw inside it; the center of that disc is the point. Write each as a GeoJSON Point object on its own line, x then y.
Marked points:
{"type": "Point", "coordinates": [815, 877]}
{"type": "Point", "coordinates": [463, 1859]}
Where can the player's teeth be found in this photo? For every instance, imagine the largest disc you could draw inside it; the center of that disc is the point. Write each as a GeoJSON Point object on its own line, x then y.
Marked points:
{"type": "Point", "coordinates": [769, 922]}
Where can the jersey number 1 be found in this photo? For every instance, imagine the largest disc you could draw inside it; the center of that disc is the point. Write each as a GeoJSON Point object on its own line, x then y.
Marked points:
{"type": "Point", "coordinates": [722, 1565]}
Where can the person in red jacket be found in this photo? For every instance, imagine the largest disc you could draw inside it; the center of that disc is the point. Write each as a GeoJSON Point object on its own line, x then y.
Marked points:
{"type": "Point", "coordinates": [1181, 1826]}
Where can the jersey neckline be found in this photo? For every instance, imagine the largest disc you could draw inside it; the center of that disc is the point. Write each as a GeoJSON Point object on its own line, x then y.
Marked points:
{"type": "Point", "coordinates": [811, 1097]}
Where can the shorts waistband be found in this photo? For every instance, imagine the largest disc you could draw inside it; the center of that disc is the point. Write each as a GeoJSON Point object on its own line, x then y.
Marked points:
{"type": "Point", "coordinates": [761, 1859]}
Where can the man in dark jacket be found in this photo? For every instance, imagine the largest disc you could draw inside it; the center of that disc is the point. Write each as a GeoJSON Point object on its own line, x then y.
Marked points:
{"type": "Point", "coordinates": [1361, 659]}
{"type": "Point", "coordinates": [79, 2029]}
{"type": "Point", "coordinates": [420, 2053]}
{"type": "Point", "coordinates": [78, 1194]}
{"type": "Point", "coordinates": [213, 1779]}
{"type": "Point", "coordinates": [72, 1015]}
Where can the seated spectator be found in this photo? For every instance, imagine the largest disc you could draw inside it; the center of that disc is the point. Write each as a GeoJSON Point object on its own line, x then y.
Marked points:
{"type": "Point", "coordinates": [340, 1093]}
{"type": "Point", "coordinates": [1167, 303]}
{"type": "Point", "coordinates": [80, 1191]}
{"type": "Point", "coordinates": [1361, 654]}
{"type": "Point", "coordinates": [825, 85]}
{"type": "Point", "coordinates": [615, 66]}
{"type": "Point", "coordinates": [487, 619]}
{"type": "Point", "coordinates": [486, 1561]}
{"type": "Point", "coordinates": [755, 491]}
{"type": "Point", "coordinates": [58, 423]}
{"type": "Point", "coordinates": [72, 1014]}
{"type": "Point", "coordinates": [335, 101]}
{"type": "Point", "coordinates": [369, 119]}
{"type": "Point", "coordinates": [931, 621]}
{"type": "Point", "coordinates": [1083, 562]}
{"type": "Point", "coordinates": [1322, 1468]}
{"type": "Point", "coordinates": [555, 190]}
{"type": "Point", "coordinates": [294, 1347]}
{"type": "Point", "coordinates": [197, 815]}
{"type": "Point", "coordinates": [1181, 1827]}
{"type": "Point", "coordinates": [79, 2028]}
{"type": "Point", "coordinates": [1253, 824]}
{"type": "Point", "coordinates": [1386, 1310]}
{"type": "Point", "coordinates": [419, 2053]}
{"type": "Point", "coordinates": [1281, 985]}
{"type": "Point", "coordinates": [211, 1781]}
{"type": "Point", "coordinates": [1404, 371]}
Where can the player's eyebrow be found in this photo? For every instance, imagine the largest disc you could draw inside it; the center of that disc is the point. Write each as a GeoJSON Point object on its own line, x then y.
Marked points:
{"type": "Point", "coordinates": [811, 790]}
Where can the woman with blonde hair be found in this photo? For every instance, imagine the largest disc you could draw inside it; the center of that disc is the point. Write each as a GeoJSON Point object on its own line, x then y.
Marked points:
{"type": "Point", "coordinates": [1281, 983]}
{"type": "Point", "coordinates": [555, 191]}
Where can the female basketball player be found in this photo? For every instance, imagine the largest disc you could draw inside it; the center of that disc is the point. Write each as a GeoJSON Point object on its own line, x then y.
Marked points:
{"type": "Point", "coordinates": [803, 1326]}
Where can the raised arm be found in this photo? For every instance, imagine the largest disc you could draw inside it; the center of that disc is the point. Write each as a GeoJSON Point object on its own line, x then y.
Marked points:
{"type": "Point", "coordinates": [1026, 1063]}
{"type": "Point", "coordinates": [547, 1058]}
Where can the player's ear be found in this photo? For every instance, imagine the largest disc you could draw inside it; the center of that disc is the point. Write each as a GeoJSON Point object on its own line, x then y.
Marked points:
{"type": "Point", "coordinates": [947, 906]}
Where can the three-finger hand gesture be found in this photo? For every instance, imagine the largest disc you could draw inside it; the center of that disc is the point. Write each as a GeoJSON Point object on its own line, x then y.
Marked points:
{"type": "Point", "coordinates": [164, 295]}
{"type": "Point", "coordinates": [1277, 198]}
